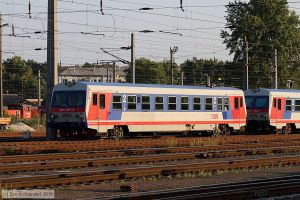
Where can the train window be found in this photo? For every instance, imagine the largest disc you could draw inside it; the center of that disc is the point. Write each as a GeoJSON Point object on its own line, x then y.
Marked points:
{"type": "Point", "coordinates": [95, 99]}
{"type": "Point", "coordinates": [241, 102]}
{"type": "Point", "coordinates": [279, 104]}
{"type": "Point", "coordinates": [197, 103]}
{"type": "Point", "coordinates": [131, 102]}
{"type": "Point", "coordinates": [288, 105]}
{"type": "Point", "coordinates": [274, 103]}
{"type": "Point", "coordinates": [297, 105]}
{"type": "Point", "coordinates": [208, 103]}
{"type": "Point", "coordinates": [220, 103]}
{"type": "Point", "coordinates": [145, 103]}
{"type": "Point", "coordinates": [159, 103]}
{"type": "Point", "coordinates": [102, 101]}
{"type": "Point", "coordinates": [117, 102]}
{"type": "Point", "coordinates": [236, 103]}
{"type": "Point", "coordinates": [226, 103]}
{"type": "Point", "coordinates": [172, 103]}
{"type": "Point", "coordinates": [184, 103]}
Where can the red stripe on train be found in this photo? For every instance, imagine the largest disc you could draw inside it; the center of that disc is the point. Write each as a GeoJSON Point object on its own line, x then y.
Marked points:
{"type": "Point", "coordinates": [81, 109]}
{"type": "Point", "coordinates": [165, 122]}
{"type": "Point", "coordinates": [261, 110]}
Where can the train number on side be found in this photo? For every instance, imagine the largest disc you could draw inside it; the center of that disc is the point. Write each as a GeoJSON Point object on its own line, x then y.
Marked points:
{"type": "Point", "coordinates": [214, 116]}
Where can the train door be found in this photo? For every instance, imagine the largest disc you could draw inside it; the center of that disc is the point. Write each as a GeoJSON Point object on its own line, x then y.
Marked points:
{"type": "Point", "coordinates": [237, 110]}
{"type": "Point", "coordinates": [94, 111]}
{"type": "Point", "coordinates": [103, 114]}
{"type": "Point", "coordinates": [277, 106]}
{"type": "Point", "coordinates": [241, 110]}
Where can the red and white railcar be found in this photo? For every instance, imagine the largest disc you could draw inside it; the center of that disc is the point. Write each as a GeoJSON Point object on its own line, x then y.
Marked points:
{"type": "Point", "coordinates": [275, 110]}
{"type": "Point", "coordinates": [117, 110]}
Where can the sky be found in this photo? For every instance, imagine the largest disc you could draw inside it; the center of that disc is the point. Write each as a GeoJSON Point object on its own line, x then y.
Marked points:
{"type": "Point", "coordinates": [84, 28]}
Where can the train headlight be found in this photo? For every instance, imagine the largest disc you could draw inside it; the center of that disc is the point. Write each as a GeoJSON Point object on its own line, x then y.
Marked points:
{"type": "Point", "coordinates": [82, 116]}
{"type": "Point", "coordinates": [266, 115]}
{"type": "Point", "coordinates": [52, 116]}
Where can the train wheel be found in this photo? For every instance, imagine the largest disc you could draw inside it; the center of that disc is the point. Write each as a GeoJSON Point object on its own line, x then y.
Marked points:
{"type": "Point", "coordinates": [226, 131]}
{"type": "Point", "coordinates": [286, 129]}
{"type": "Point", "coordinates": [63, 135]}
{"type": "Point", "coordinates": [117, 132]}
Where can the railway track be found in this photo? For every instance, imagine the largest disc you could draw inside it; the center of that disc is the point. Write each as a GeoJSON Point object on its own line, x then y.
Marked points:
{"type": "Point", "coordinates": [141, 151]}
{"type": "Point", "coordinates": [44, 162]}
{"type": "Point", "coordinates": [137, 172]}
{"type": "Point", "coordinates": [34, 147]}
{"type": "Point", "coordinates": [260, 188]}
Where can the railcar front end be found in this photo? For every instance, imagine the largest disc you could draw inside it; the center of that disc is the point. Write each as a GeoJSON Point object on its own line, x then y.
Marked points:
{"type": "Point", "coordinates": [68, 112]}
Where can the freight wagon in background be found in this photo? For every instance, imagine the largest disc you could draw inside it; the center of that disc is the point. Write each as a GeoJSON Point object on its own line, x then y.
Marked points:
{"type": "Point", "coordinates": [120, 110]}
{"type": "Point", "coordinates": [273, 110]}
{"type": "Point", "coordinates": [20, 111]}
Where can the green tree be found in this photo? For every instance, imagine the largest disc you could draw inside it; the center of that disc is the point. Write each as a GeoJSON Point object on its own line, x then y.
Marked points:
{"type": "Point", "coordinates": [168, 72]}
{"type": "Point", "coordinates": [196, 71]}
{"type": "Point", "coordinates": [147, 72]}
{"type": "Point", "coordinates": [267, 25]}
{"type": "Point", "coordinates": [87, 65]}
{"type": "Point", "coordinates": [18, 77]}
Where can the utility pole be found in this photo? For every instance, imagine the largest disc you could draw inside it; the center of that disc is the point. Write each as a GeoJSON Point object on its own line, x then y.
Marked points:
{"type": "Point", "coordinates": [114, 72]}
{"type": "Point", "coordinates": [246, 80]}
{"type": "Point", "coordinates": [208, 83]}
{"type": "Point", "coordinates": [52, 78]}
{"type": "Point", "coordinates": [39, 88]}
{"type": "Point", "coordinates": [107, 74]}
{"type": "Point", "coordinates": [275, 69]}
{"type": "Point", "coordinates": [132, 59]}
{"type": "Point", "coordinates": [39, 97]}
{"type": "Point", "coordinates": [172, 52]}
{"type": "Point", "coordinates": [1, 70]}
{"type": "Point", "coordinates": [181, 78]}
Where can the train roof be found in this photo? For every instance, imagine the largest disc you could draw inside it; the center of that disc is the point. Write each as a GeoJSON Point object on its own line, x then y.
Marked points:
{"type": "Point", "coordinates": [267, 91]}
{"type": "Point", "coordinates": [154, 86]}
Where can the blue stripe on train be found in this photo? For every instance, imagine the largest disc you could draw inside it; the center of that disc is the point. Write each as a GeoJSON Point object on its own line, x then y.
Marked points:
{"type": "Point", "coordinates": [287, 115]}
{"type": "Point", "coordinates": [117, 114]}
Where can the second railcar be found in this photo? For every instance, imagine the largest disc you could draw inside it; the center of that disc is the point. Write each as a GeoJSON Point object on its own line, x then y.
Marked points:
{"type": "Point", "coordinates": [273, 110]}
{"type": "Point", "coordinates": [118, 110]}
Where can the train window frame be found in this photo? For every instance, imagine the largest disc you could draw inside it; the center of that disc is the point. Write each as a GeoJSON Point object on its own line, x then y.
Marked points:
{"type": "Point", "coordinates": [159, 104]}
{"type": "Point", "coordinates": [219, 104]}
{"type": "Point", "coordinates": [115, 103]}
{"type": "Point", "coordinates": [147, 104]}
{"type": "Point", "coordinates": [196, 103]}
{"type": "Point", "coordinates": [208, 104]}
{"type": "Point", "coordinates": [170, 105]}
{"type": "Point", "coordinates": [95, 99]}
{"type": "Point", "coordinates": [226, 103]}
{"type": "Point", "coordinates": [185, 104]}
{"type": "Point", "coordinates": [279, 104]}
{"type": "Point", "coordinates": [274, 102]}
{"type": "Point", "coordinates": [131, 105]}
{"type": "Point", "coordinates": [297, 107]}
{"type": "Point", "coordinates": [236, 103]}
{"type": "Point", "coordinates": [288, 105]}
{"type": "Point", "coordinates": [102, 101]}
{"type": "Point", "coordinates": [241, 102]}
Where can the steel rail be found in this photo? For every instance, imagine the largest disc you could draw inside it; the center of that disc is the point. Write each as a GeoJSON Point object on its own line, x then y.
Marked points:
{"type": "Point", "coordinates": [121, 174]}
{"type": "Point", "coordinates": [144, 151]}
{"type": "Point", "coordinates": [162, 140]}
{"type": "Point", "coordinates": [61, 147]}
{"type": "Point", "coordinates": [258, 188]}
{"type": "Point", "coordinates": [104, 161]}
